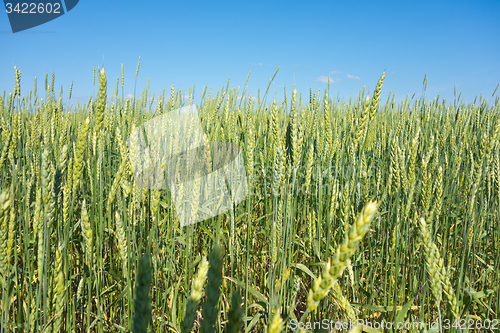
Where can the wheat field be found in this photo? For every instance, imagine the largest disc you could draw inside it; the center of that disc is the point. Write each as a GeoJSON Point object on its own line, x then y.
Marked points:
{"type": "Point", "coordinates": [356, 210]}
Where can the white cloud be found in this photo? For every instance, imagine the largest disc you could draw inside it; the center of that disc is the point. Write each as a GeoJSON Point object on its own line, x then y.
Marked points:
{"type": "Point", "coordinates": [352, 77]}
{"type": "Point", "coordinates": [129, 96]}
{"type": "Point", "coordinates": [324, 79]}
{"type": "Point", "coordinates": [253, 98]}
{"type": "Point", "coordinates": [257, 64]}
{"type": "Point", "coordinates": [336, 72]}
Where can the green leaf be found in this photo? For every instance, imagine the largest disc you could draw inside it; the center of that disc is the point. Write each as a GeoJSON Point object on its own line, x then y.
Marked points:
{"type": "Point", "coordinates": [402, 314]}
{"type": "Point", "coordinates": [304, 269]}
{"type": "Point", "coordinates": [252, 290]}
{"type": "Point", "coordinates": [254, 321]}
{"type": "Point", "coordinates": [477, 295]}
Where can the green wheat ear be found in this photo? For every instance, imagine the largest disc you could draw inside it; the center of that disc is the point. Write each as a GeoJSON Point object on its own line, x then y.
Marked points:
{"type": "Point", "coordinates": [276, 325]}
{"type": "Point", "coordinates": [142, 302]}
{"type": "Point", "coordinates": [210, 306]}
{"type": "Point", "coordinates": [334, 268]}
{"type": "Point", "coordinates": [5, 203]}
{"type": "Point", "coordinates": [195, 296]}
{"type": "Point", "coordinates": [438, 276]}
{"type": "Point", "coordinates": [235, 316]}
{"type": "Point", "coordinates": [376, 96]}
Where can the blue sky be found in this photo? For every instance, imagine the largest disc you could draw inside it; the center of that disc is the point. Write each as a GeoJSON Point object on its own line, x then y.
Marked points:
{"type": "Point", "coordinates": [188, 43]}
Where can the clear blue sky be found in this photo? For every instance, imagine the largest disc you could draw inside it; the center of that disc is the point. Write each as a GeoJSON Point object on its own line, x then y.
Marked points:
{"type": "Point", "coordinates": [188, 43]}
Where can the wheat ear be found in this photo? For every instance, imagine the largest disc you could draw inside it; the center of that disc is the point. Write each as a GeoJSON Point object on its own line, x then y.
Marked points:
{"type": "Point", "coordinates": [59, 292]}
{"type": "Point", "coordinates": [235, 315]}
{"type": "Point", "coordinates": [210, 306]}
{"type": "Point", "coordinates": [142, 302]}
{"type": "Point", "coordinates": [122, 241]}
{"type": "Point", "coordinates": [334, 268]}
{"type": "Point", "coordinates": [87, 234]}
{"type": "Point", "coordinates": [195, 296]}
{"type": "Point", "coordinates": [79, 152]}
{"type": "Point", "coordinates": [376, 96]}
{"type": "Point", "coordinates": [5, 203]}
{"type": "Point", "coordinates": [438, 276]}
{"type": "Point", "coordinates": [276, 325]}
